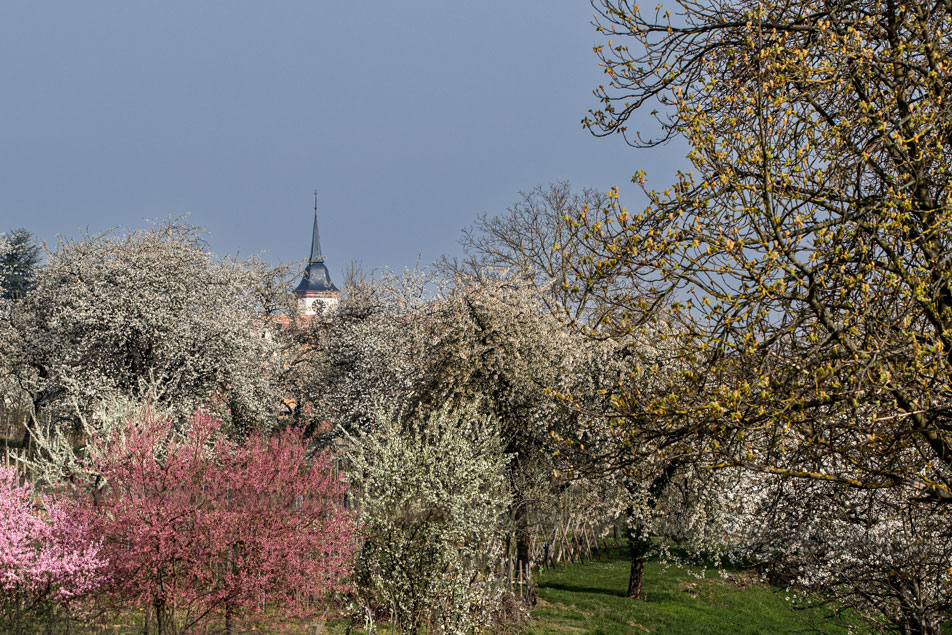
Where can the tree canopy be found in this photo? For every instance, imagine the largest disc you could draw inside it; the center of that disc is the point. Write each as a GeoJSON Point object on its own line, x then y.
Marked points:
{"type": "Point", "coordinates": [152, 314]}
{"type": "Point", "coordinates": [19, 257]}
{"type": "Point", "coordinates": [806, 252]}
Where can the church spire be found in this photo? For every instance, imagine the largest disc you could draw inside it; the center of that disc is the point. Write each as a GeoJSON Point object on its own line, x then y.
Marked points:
{"type": "Point", "coordinates": [315, 285]}
{"type": "Point", "coordinates": [316, 254]}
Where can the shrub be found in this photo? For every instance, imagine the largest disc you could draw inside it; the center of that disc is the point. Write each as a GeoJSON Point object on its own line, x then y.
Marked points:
{"type": "Point", "coordinates": [197, 525]}
{"type": "Point", "coordinates": [48, 558]}
{"type": "Point", "coordinates": [432, 496]}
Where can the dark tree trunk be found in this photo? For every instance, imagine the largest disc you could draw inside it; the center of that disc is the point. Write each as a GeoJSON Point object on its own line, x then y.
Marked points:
{"type": "Point", "coordinates": [160, 626]}
{"type": "Point", "coordinates": [916, 625]}
{"type": "Point", "coordinates": [913, 619]}
{"type": "Point", "coordinates": [639, 544]}
{"type": "Point", "coordinates": [522, 540]}
{"type": "Point", "coordinates": [636, 577]}
{"type": "Point", "coordinates": [639, 540]}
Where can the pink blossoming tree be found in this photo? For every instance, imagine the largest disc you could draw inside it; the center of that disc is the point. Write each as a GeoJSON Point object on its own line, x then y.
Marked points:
{"type": "Point", "coordinates": [200, 527]}
{"type": "Point", "coordinates": [48, 558]}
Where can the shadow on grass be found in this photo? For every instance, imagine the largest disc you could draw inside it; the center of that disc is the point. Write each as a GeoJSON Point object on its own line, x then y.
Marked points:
{"type": "Point", "coordinates": [573, 588]}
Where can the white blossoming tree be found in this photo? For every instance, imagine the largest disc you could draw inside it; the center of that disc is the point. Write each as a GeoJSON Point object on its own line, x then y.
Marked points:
{"type": "Point", "coordinates": [652, 484]}
{"type": "Point", "coordinates": [869, 551]}
{"type": "Point", "coordinates": [432, 494]}
{"type": "Point", "coordinates": [417, 343]}
{"type": "Point", "coordinates": [148, 314]}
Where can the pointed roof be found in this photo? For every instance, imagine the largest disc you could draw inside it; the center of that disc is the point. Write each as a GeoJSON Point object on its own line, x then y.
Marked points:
{"type": "Point", "coordinates": [316, 254]}
{"type": "Point", "coordinates": [316, 276]}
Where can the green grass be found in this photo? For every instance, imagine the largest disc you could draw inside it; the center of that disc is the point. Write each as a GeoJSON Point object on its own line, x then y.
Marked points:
{"type": "Point", "coordinates": [590, 598]}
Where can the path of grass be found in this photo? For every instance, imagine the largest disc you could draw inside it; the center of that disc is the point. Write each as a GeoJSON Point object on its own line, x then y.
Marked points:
{"type": "Point", "coordinates": [590, 598]}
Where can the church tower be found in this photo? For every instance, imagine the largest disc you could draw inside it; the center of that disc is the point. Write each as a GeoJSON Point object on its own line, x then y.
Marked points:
{"type": "Point", "coordinates": [316, 293]}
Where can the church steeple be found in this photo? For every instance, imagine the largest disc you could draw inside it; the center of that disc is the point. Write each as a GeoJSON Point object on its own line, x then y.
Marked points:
{"type": "Point", "coordinates": [316, 287]}
{"type": "Point", "coordinates": [316, 254]}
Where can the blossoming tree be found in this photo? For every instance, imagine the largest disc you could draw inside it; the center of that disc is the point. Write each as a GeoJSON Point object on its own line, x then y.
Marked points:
{"type": "Point", "coordinates": [48, 556]}
{"type": "Point", "coordinates": [148, 314]}
{"type": "Point", "coordinates": [198, 526]}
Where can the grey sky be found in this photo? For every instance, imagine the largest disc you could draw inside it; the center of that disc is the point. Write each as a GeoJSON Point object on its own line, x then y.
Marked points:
{"type": "Point", "coordinates": [410, 118]}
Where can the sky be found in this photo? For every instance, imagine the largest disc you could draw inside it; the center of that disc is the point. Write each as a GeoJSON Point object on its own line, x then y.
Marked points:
{"type": "Point", "coordinates": [409, 118]}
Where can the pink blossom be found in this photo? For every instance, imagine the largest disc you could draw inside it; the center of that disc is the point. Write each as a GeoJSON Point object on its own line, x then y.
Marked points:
{"type": "Point", "coordinates": [198, 523]}
{"type": "Point", "coordinates": [45, 552]}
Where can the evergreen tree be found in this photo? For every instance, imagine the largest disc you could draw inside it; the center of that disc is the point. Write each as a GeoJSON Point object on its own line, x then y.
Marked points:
{"type": "Point", "coordinates": [19, 256]}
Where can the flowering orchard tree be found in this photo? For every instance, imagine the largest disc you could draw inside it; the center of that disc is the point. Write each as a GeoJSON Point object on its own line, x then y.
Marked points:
{"type": "Point", "coordinates": [868, 550]}
{"type": "Point", "coordinates": [48, 557]}
{"type": "Point", "coordinates": [416, 343]}
{"type": "Point", "coordinates": [657, 493]}
{"type": "Point", "coordinates": [659, 490]}
{"type": "Point", "coordinates": [805, 254]}
{"type": "Point", "coordinates": [144, 314]}
{"type": "Point", "coordinates": [198, 526]}
{"type": "Point", "coordinates": [806, 249]}
{"type": "Point", "coordinates": [432, 495]}
{"type": "Point", "coordinates": [363, 360]}
{"type": "Point", "coordinates": [495, 341]}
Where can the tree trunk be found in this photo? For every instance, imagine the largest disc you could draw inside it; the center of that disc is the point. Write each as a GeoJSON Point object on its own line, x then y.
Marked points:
{"type": "Point", "coordinates": [639, 544]}
{"type": "Point", "coordinates": [229, 627]}
{"type": "Point", "coordinates": [522, 538]}
{"type": "Point", "coordinates": [25, 440]}
{"type": "Point", "coordinates": [913, 619]}
{"type": "Point", "coordinates": [636, 576]}
{"type": "Point", "coordinates": [161, 619]}
{"type": "Point", "coordinates": [915, 623]}
{"type": "Point", "coordinates": [639, 540]}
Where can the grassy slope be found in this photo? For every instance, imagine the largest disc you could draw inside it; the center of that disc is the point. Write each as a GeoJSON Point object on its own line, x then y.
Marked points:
{"type": "Point", "coordinates": [590, 598]}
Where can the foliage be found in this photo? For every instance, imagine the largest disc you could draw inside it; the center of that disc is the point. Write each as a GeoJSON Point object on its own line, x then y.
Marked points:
{"type": "Point", "coordinates": [806, 252]}
{"type": "Point", "coordinates": [362, 360]}
{"type": "Point", "coordinates": [656, 491]}
{"type": "Point", "coordinates": [420, 342]}
{"type": "Point", "coordinates": [868, 550]}
{"type": "Point", "coordinates": [19, 256]}
{"type": "Point", "coordinates": [195, 524]}
{"type": "Point", "coordinates": [432, 494]}
{"type": "Point", "coordinates": [48, 557]}
{"type": "Point", "coordinates": [493, 340]}
{"type": "Point", "coordinates": [804, 255]}
{"type": "Point", "coordinates": [414, 342]}
{"type": "Point", "coordinates": [146, 314]}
